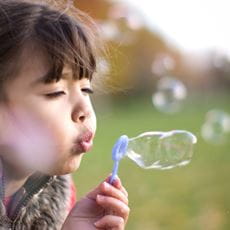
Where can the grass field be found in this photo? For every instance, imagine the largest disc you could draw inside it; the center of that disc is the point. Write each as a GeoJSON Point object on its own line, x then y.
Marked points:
{"type": "Point", "coordinates": [195, 197]}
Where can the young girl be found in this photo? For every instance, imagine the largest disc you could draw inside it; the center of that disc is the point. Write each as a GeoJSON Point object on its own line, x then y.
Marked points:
{"type": "Point", "coordinates": [47, 60]}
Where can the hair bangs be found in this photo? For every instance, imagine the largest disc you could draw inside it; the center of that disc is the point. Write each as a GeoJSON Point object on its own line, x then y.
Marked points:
{"type": "Point", "coordinates": [66, 42]}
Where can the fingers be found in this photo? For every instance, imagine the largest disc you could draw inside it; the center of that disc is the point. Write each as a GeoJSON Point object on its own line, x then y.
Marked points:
{"type": "Point", "coordinates": [113, 205]}
{"type": "Point", "coordinates": [117, 184]}
{"type": "Point", "coordinates": [114, 200]}
{"type": "Point", "coordinates": [100, 188]}
{"type": "Point", "coordinates": [110, 222]}
{"type": "Point", "coordinates": [109, 190]}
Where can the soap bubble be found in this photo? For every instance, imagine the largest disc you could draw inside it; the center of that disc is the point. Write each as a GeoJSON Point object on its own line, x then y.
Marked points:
{"type": "Point", "coordinates": [154, 150]}
{"type": "Point", "coordinates": [117, 31]}
{"type": "Point", "coordinates": [170, 95]}
{"type": "Point", "coordinates": [109, 30]}
{"type": "Point", "coordinates": [131, 17]}
{"type": "Point", "coordinates": [161, 150]}
{"type": "Point", "coordinates": [162, 64]}
{"type": "Point", "coordinates": [121, 25]}
{"type": "Point", "coordinates": [216, 128]}
{"type": "Point", "coordinates": [103, 66]}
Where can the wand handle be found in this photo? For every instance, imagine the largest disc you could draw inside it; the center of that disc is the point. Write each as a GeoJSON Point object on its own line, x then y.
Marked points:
{"type": "Point", "coordinates": [114, 173]}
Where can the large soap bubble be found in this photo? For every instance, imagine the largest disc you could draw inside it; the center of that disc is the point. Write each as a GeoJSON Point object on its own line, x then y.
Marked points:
{"type": "Point", "coordinates": [216, 128]}
{"type": "Point", "coordinates": [170, 95]}
{"type": "Point", "coordinates": [161, 150]}
{"type": "Point", "coordinates": [155, 150]}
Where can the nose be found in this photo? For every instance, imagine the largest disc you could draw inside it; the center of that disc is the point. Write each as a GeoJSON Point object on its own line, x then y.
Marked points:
{"type": "Point", "coordinates": [82, 118]}
{"type": "Point", "coordinates": [80, 115]}
{"type": "Point", "coordinates": [81, 110]}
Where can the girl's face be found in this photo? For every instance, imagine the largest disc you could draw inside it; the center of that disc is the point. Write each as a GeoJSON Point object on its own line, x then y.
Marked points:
{"type": "Point", "coordinates": [47, 127]}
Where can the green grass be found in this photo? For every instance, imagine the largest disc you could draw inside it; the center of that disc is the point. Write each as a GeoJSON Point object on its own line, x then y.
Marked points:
{"type": "Point", "coordinates": [195, 197]}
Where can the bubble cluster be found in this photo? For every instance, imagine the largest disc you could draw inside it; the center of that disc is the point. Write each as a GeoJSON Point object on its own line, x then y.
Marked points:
{"type": "Point", "coordinates": [216, 128]}
{"type": "Point", "coordinates": [161, 150]}
{"type": "Point", "coordinates": [170, 95]}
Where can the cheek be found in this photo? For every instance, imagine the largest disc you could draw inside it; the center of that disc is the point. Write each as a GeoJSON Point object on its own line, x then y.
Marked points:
{"type": "Point", "coordinates": [29, 141]}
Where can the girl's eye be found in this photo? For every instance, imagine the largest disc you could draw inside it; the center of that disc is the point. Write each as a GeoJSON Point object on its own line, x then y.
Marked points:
{"type": "Point", "coordinates": [55, 94]}
{"type": "Point", "coordinates": [87, 90]}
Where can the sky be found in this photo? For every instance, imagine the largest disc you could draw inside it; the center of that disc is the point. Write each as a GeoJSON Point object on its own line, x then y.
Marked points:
{"type": "Point", "coordinates": [191, 25]}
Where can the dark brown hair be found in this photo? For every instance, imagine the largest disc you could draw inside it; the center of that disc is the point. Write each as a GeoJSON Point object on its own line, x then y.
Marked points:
{"type": "Point", "coordinates": [64, 38]}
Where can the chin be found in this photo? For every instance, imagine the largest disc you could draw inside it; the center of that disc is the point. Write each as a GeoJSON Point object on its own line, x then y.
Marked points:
{"type": "Point", "coordinates": [68, 167]}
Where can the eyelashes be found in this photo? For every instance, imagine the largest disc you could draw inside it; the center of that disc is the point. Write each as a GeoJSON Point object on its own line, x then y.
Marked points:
{"type": "Point", "coordinates": [87, 90]}
{"type": "Point", "coordinates": [61, 93]}
{"type": "Point", "coordinates": [55, 94]}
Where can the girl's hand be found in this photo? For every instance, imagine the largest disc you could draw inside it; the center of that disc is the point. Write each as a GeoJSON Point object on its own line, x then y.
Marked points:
{"type": "Point", "coordinates": [106, 207]}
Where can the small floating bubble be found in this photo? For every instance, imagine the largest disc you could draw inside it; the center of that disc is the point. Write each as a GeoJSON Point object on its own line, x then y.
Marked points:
{"type": "Point", "coordinates": [109, 30]}
{"type": "Point", "coordinates": [216, 128]}
{"type": "Point", "coordinates": [170, 95]}
{"type": "Point", "coordinates": [162, 64]}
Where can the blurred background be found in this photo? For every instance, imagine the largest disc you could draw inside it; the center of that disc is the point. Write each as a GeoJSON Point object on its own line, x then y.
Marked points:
{"type": "Point", "coordinates": [167, 67]}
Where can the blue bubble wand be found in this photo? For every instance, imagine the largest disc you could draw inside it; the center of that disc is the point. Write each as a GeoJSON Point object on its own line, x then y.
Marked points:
{"type": "Point", "coordinates": [118, 152]}
{"type": "Point", "coordinates": [166, 152]}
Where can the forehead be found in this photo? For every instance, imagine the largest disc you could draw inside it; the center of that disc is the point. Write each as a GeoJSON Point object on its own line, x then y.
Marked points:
{"type": "Point", "coordinates": [34, 66]}
{"type": "Point", "coordinates": [67, 71]}
{"type": "Point", "coordinates": [32, 63]}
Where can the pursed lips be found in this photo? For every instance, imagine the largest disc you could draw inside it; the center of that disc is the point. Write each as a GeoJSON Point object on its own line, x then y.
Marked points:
{"type": "Point", "coordinates": [84, 143]}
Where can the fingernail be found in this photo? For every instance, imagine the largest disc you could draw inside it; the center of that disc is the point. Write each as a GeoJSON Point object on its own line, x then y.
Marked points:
{"type": "Point", "coordinates": [97, 224]}
{"type": "Point", "coordinates": [106, 185]}
{"type": "Point", "coordinates": [116, 177]}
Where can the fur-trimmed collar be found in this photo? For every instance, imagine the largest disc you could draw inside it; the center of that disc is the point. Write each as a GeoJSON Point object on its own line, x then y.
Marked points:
{"type": "Point", "coordinates": [41, 204]}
